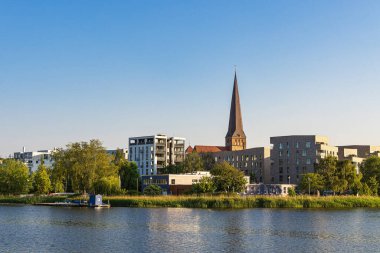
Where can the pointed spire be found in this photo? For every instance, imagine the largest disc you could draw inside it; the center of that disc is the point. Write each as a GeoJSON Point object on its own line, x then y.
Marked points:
{"type": "Point", "coordinates": [235, 127]}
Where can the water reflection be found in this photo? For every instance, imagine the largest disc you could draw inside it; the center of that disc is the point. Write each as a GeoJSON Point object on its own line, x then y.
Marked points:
{"type": "Point", "coordinates": [49, 229]}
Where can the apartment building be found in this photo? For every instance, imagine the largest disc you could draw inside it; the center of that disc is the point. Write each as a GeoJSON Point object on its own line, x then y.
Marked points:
{"type": "Point", "coordinates": [254, 162]}
{"type": "Point", "coordinates": [296, 155]}
{"type": "Point", "coordinates": [33, 159]}
{"type": "Point", "coordinates": [151, 153]}
{"type": "Point", "coordinates": [114, 151]}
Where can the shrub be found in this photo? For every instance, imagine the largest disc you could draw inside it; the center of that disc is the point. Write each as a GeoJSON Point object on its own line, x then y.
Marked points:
{"type": "Point", "coordinates": [152, 190]}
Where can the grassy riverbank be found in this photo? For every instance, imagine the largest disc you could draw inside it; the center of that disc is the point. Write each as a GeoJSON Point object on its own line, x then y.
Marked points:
{"type": "Point", "coordinates": [244, 202]}
{"type": "Point", "coordinates": [225, 202]}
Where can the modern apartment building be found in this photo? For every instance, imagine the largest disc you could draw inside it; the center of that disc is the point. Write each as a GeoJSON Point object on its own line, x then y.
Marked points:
{"type": "Point", "coordinates": [154, 152]}
{"type": "Point", "coordinates": [114, 151]}
{"type": "Point", "coordinates": [254, 162]}
{"type": "Point", "coordinates": [296, 155]}
{"type": "Point", "coordinates": [33, 159]}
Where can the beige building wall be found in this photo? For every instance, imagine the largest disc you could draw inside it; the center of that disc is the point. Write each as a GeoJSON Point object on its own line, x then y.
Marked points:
{"type": "Point", "coordinates": [252, 161]}
{"type": "Point", "coordinates": [295, 155]}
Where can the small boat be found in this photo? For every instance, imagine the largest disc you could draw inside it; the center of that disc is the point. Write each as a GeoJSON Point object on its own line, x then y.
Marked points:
{"type": "Point", "coordinates": [94, 202]}
{"type": "Point", "coordinates": [97, 202]}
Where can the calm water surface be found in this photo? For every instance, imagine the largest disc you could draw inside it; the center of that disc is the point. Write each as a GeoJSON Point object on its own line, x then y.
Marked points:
{"type": "Point", "coordinates": [52, 229]}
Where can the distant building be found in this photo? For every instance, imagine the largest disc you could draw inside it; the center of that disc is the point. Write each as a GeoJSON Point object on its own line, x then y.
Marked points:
{"type": "Point", "coordinates": [114, 151]}
{"type": "Point", "coordinates": [254, 162]}
{"type": "Point", "coordinates": [269, 189]}
{"type": "Point", "coordinates": [235, 138]}
{"type": "Point", "coordinates": [151, 153]}
{"type": "Point", "coordinates": [33, 159]}
{"type": "Point", "coordinates": [295, 155]}
{"type": "Point", "coordinates": [174, 184]}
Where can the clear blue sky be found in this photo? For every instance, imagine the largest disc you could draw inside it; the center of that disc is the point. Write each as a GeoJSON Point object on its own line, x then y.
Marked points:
{"type": "Point", "coordinates": [77, 70]}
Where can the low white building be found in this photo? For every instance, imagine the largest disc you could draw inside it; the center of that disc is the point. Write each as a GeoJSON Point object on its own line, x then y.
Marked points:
{"type": "Point", "coordinates": [33, 159]}
{"type": "Point", "coordinates": [154, 152]}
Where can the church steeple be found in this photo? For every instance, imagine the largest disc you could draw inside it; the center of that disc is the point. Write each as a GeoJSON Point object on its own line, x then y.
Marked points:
{"type": "Point", "coordinates": [235, 138]}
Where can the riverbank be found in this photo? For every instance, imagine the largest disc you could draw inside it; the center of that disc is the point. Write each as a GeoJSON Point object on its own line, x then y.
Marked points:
{"type": "Point", "coordinates": [245, 202]}
{"type": "Point", "coordinates": [225, 202]}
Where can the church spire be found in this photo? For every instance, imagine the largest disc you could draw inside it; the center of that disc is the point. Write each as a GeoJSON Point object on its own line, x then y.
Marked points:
{"type": "Point", "coordinates": [235, 138]}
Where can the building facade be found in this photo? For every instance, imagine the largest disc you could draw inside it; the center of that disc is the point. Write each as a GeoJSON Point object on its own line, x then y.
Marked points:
{"type": "Point", "coordinates": [293, 156]}
{"type": "Point", "coordinates": [151, 153]}
{"type": "Point", "coordinates": [254, 162]}
{"type": "Point", "coordinates": [114, 151]}
{"type": "Point", "coordinates": [174, 184]}
{"type": "Point", "coordinates": [33, 159]}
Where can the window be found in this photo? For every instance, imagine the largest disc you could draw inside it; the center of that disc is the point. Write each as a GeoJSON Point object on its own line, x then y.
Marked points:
{"type": "Point", "coordinates": [297, 144]}
{"type": "Point", "coordinates": [281, 179]}
{"type": "Point", "coordinates": [173, 181]}
{"type": "Point", "coordinates": [280, 153]}
{"type": "Point", "coordinates": [308, 161]}
{"type": "Point", "coordinates": [281, 170]}
{"type": "Point", "coordinates": [280, 146]}
{"type": "Point", "coordinates": [303, 152]}
{"type": "Point", "coordinates": [308, 144]}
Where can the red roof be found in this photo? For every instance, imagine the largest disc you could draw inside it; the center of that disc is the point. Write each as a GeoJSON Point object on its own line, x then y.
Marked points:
{"type": "Point", "coordinates": [208, 149]}
{"type": "Point", "coordinates": [189, 150]}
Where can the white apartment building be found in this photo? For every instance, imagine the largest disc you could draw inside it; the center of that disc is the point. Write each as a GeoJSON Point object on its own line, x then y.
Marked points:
{"type": "Point", "coordinates": [154, 152]}
{"type": "Point", "coordinates": [33, 158]}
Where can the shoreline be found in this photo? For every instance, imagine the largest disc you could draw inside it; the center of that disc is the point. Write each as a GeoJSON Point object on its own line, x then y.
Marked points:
{"type": "Point", "coordinates": [217, 202]}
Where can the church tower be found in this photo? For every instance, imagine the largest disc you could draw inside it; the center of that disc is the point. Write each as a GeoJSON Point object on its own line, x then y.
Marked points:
{"type": "Point", "coordinates": [235, 138]}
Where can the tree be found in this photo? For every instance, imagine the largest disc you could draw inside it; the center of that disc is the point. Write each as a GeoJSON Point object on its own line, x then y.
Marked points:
{"type": "Point", "coordinates": [350, 179]}
{"type": "Point", "coordinates": [208, 161]}
{"type": "Point", "coordinates": [82, 164]}
{"type": "Point", "coordinates": [205, 185]}
{"type": "Point", "coordinates": [41, 180]}
{"type": "Point", "coordinates": [193, 162]}
{"type": "Point", "coordinates": [312, 181]}
{"type": "Point", "coordinates": [129, 175]}
{"type": "Point", "coordinates": [152, 190]}
{"type": "Point", "coordinates": [327, 168]}
{"type": "Point", "coordinates": [107, 185]}
{"type": "Point", "coordinates": [370, 169]}
{"type": "Point", "coordinates": [227, 178]}
{"type": "Point", "coordinates": [172, 169]}
{"type": "Point", "coordinates": [14, 177]}
{"type": "Point", "coordinates": [373, 185]}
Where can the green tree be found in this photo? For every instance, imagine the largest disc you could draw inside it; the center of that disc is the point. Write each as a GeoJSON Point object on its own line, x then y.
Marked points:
{"type": "Point", "coordinates": [107, 185]}
{"type": "Point", "coordinates": [81, 164]}
{"type": "Point", "coordinates": [327, 168]}
{"type": "Point", "coordinates": [41, 180]}
{"type": "Point", "coordinates": [14, 177]}
{"type": "Point", "coordinates": [370, 169]}
{"type": "Point", "coordinates": [292, 192]}
{"type": "Point", "coordinates": [172, 169]}
{"type": "Point", "coordinates": [312, 181]}
{"type": "Point", "coordinates": [129, 175]}
{"type": "Point", "coordinates": [193, 162]}
{"type": "Point", "coordinates": [227, 178]}
{"type": "Point", "coordinates": [205, 185]}
{"type": "Point", "coordinates": [208, 161]}
{"type": "Point", "coordinates": [350, 179]}
{"type": "Point", "coordinates": [152, 190]}
{"type": "Point", "coordinates": [373, 185]}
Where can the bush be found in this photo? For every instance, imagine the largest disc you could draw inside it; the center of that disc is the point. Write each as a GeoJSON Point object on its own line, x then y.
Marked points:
{"type": "Point", "coordinates": [291, 192]}
{"type": "Point", "coordinates": [152, 190]}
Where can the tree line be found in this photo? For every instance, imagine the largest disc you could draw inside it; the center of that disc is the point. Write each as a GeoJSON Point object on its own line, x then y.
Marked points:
{"type": "Point", "coordinates": [83, 167]}
{"type": "Point", "coordinates": [342, 177]}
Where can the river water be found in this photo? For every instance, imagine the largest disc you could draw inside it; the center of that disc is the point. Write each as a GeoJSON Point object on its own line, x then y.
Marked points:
{"type": "Point", "coordinates": [53, 229]}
